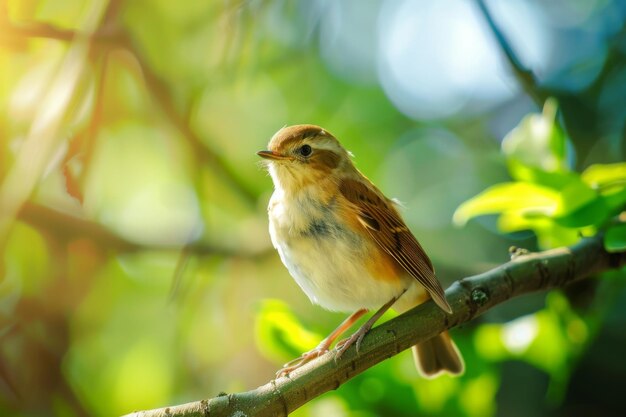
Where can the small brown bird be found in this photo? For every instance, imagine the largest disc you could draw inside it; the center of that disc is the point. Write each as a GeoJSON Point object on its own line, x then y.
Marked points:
{"type": "Point", "coordinates": [346, 245]}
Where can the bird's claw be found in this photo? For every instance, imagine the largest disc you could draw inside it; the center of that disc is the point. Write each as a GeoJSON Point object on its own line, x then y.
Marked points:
{"type": "Point", "coordinates": [355, 340]}
{"type": "Point", "coordinates": [303, 359]}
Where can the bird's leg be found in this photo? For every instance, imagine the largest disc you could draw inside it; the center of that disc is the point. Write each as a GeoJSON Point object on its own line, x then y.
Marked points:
{"type": "Point", "coordinates": [323, 346]}
{"type": "Point", "coordinates": [358, 336]}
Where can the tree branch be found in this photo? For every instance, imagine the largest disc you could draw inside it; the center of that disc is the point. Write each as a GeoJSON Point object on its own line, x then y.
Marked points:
{"type": "Point", "coordinates": [525, 76]}
{"type": "Point", "coordinates": [159, 87]}
{"type": "Point", "coordinates": [18, 31]}
{"type": "Point", "coordinates": [468, 297]}
{"type": "Point", "coordinates": [161, 91]}
{"type": "Point", "coordinates": [65, 226]}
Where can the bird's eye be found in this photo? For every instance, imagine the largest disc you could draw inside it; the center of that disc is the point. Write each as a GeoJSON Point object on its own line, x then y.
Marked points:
{"type": "Point", "coordinates": [305, 150]}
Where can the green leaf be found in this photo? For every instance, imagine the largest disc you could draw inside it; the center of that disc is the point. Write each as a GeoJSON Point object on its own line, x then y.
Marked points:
{"type": "Point", "coordinates": [532, 199]}
{"type": "Point", "coordinates": [580, 206]}
{"type": "Point", "coordinates": [515, 221]}
{"type": "Point", "coordinates": [549, 233]}
{"type": "Point", "coordinates": [592, 213]}
{"type": "Point", "coordinates": [608, 178]}
{"type": "Point", "coordinates": [548, 349]}
{"type": "Point", "coordinates": [616, 201]}
{"type": "Point", "coordinates": [537, 144]}
{"type": "Point", "coordinates": [547, 339]}
{"type": "Point", "coordinates": [279, 334]}
{"type": "Point", "coordinates": [554, 179]}
{"type": "Point", "coordinates": [488, 342]}
{"type": "Point", "coordinates": [433, 394]}
{"type": "Point", "coordinates": [615, 238]}
{"type": "Point", "coordinates": [478, 397]}
{"type": "Point", "coordinates": [573, 196]}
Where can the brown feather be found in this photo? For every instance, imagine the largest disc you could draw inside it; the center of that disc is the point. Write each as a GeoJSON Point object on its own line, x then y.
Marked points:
{"type": "Point", "coordinates": [379, 217]}
{"type": "Point", "coordinates": [324, 160]}
{"type": "Point", "coordinates": [287, 136]}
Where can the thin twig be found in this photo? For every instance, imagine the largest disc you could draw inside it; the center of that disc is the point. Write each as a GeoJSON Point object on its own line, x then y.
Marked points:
{"type": "Point", "coordinates": [525, 76]}
{"type": "Point", "coordinates": [47, 31]}
{"type": "Point", "coordinates": [158, 86]}
{"type": "Point", "coordinates": [67, 227]}
{"type": "Point", "coordinates": [161, 91]}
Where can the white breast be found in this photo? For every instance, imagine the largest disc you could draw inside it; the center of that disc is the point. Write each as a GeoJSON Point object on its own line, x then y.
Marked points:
{"type": "Point", "coordinates": [325, 258]}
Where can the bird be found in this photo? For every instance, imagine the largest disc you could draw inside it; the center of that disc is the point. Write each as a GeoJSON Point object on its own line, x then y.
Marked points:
{"type": "Point", "coordinates": [347, 246]}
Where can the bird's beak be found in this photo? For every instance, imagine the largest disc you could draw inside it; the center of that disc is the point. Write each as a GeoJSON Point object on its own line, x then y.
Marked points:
{"type": "Point", "coordinates": [272, 155]}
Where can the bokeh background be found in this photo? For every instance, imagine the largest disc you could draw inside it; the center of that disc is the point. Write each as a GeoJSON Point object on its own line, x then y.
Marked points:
{"type": "Point", "coordinates": [137, 270]}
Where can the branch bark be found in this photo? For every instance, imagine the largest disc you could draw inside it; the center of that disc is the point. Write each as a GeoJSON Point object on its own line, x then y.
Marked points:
{"type": "Point", "coordinates": [469, 298]}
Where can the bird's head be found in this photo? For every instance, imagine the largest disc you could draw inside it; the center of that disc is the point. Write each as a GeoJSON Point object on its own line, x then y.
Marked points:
{"type": "Point", "coordinates": [303, 154]}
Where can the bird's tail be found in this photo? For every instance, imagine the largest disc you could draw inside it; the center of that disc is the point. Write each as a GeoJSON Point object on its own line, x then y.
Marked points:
{"type": "Point", "coordinates": [437, 355]}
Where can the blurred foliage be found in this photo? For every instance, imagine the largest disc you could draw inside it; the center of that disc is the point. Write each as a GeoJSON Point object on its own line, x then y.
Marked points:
{"type": "Point", "coordinates": [279, 334]}
{"type": "Point", "coordinates": [137, 269]}
{"type": "Point", "coordinates": [547, 197]}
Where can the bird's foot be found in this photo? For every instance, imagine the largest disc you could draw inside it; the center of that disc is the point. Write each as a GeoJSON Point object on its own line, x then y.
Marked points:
{"type": "Point", "coordinates": [303, 359]}
{"type": "Point", "coordinates": [355, 339]}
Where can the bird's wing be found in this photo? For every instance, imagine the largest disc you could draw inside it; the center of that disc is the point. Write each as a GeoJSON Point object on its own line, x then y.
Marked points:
{"type": "Point", "coordinates": [383, 223]}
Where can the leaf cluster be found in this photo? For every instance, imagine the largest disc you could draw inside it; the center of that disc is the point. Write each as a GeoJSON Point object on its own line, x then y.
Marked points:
{"type": "Point", "coordinates": [546, 195]}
